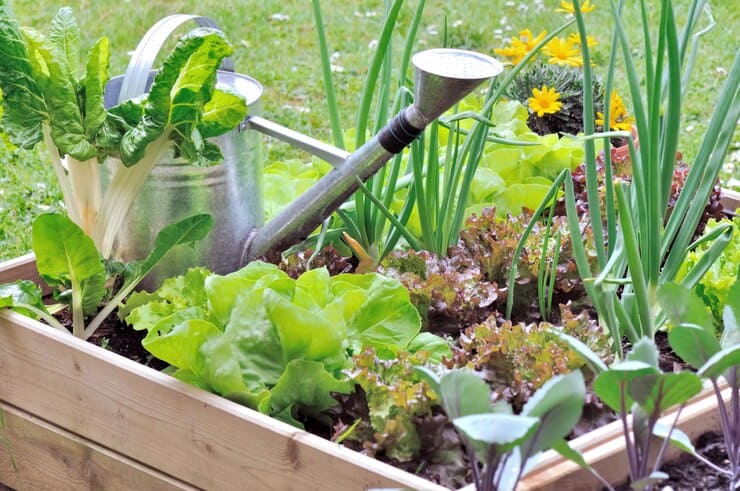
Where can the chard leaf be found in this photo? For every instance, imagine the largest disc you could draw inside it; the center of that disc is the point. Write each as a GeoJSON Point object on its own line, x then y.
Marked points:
{"type": "Point", "coordinates": [66, 256]}
{"type": "Point", "coordinates": [24, 108]}
{"type": "Point", "coordinates": [60, 94]}
{"type": "Point", "coordinates": [223, 112]}
{"type": "Point", "coordinates": [177, 97]}
{"type": "Point", "coordinates": [64, 37]}
{"type": "Point", "coordinates": [96, 77]}
{"type": "Point", "coordinates": [182, 232]}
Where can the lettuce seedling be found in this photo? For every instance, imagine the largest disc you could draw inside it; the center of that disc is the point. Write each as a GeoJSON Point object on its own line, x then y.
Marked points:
{"type": "Point", "coordinates": [693, 339]}
{"type": "Point", "coordinates": [68, 261]}
{"type": "Point", "coordinates": [507, 444]}
{"type": "Point", "coordinates": [44, 99]}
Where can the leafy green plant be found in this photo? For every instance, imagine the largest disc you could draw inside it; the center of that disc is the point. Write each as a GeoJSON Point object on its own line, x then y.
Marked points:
{"type": "Point", "coordinates": [44, 98]}
{"type": "Point", "coordinates": [694, 340]}
{"type": "Point", "coordinates": [642, 250]}
{"type": "Point", "coordinates": [68, 261]}
{"type": "Point", "coordinates": [635, 386]}
{"type": "Point", "coordinates": [714, 287]}
{"type": "Point", "coordinates": [273, 343]}
{"type": "Point", "coordinates": [516, 359]}
{"type": "Point", "coordinates": [501, 445]}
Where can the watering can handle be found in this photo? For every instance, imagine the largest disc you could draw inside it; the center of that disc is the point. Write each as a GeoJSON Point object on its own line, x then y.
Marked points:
{"type": "Point", "coordinates": [140, 66]}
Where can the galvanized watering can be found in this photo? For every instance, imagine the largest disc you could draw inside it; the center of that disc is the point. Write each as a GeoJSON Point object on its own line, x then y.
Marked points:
{"type": "Point", "coordinates": [231, 191]}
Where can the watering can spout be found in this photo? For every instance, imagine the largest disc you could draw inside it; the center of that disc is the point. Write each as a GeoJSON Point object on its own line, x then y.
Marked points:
{"type": "Point", "coordinates": [442, 78]}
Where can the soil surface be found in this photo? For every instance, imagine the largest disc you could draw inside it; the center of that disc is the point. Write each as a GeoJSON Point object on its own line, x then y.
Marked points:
{"type": "Point", "coordinates": [689, 474]}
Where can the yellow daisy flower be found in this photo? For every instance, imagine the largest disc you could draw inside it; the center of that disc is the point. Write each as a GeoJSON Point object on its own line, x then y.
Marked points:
{"type": "Point", "coordinates": [575, 38]}
{"type": "Point", "coordinates": [544, 101]}
{"type": "Point", "coordinates": [618, 117]}
{"type": "Point", "coordinates": [568, 8]}
{"type": "Point", "coordinates": [520, 46]}
{"type": "Point", "coordinates": [563, 52]}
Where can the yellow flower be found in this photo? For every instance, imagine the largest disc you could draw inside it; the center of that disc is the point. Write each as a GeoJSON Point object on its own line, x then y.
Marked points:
{"type": "Point", "coordinates": [575, 38]}
{"type": "Point", "coordinates": [544, 101]}
{"type": "Point", "coordinates": [563, 52]}
{"type": "Point", "coordinates": [568, 8]}
{"type": "Point", "coordinates": [618, 117]}
{"type": "Point", "coordinates": [520, 46]}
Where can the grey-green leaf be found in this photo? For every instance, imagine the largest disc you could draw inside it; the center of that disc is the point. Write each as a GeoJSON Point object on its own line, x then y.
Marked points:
{"type": "Point", "coordinates": [721, 361]}
{"type": "Point", "coordinates": [505, 431]}
{"type": "Point", "coordinates": [608, 384]}
{"type": "Point", "coordinates": [558, 404]}
{"type": "Point", "coordinates": [645, 351]}
{"type": "Point", "coordinates": [662, 391]}
{"type": "Point", "coordinates": [693, 344]}
{"type": "Point", "coordinates": [463, 393]}
{"type": "Point", "coordinates": [679, 439]}
{"type": "Point", "coordinates": [682, 306]}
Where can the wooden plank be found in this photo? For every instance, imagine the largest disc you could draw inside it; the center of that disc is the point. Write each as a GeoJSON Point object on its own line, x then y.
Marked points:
{"type": "Point", "coordinates": [730, 200]}
{"type": "Point", "coordinates": [48, 457]}
{"type": "Point", "coordinates": [23, 267]}
{"type": "Point", "coordinates": [203, 439]}
{"type": "Point", "coordinates": [604, 450]}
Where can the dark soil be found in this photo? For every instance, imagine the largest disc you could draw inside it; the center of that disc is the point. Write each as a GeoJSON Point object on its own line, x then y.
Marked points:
{"type": "Point", "coordinates": [120, 338]}
{"type": "Point", "coordinates": [689, 474]}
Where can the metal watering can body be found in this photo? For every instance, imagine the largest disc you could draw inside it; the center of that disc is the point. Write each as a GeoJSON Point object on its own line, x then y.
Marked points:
{"type": "Point", "coordinates": [232, 191]}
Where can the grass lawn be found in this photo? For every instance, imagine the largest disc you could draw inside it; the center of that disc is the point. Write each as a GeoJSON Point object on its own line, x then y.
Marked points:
{"type": "Point", "coordinates": [275, 42]}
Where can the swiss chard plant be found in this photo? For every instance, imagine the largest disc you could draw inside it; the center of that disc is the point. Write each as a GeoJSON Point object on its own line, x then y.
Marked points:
{"type": "Point", "coordinates": [46, 97]}
{"type": "Point", "coordinates": [501, 445]}
{"type": "Point", "coordinates": [69, 262]}
{"type": "Point", "coordinates": [273, 343]}
{"type": "Point", "coordinates": [693, 338]}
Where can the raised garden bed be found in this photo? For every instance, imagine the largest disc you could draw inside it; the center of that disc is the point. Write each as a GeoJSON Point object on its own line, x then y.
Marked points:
{"type": "Point", "coordinates": [78, 414]}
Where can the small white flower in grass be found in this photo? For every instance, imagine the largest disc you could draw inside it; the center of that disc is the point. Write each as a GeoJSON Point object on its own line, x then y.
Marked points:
{"type": "Point", "coordinates": [457, 23]}
{"type": "Point", "coordinates": [372, 44]}
{"type": "Point", "coordinates": [720, 72]}
{"type": "Point", "coordinates": [510, 4]}
{"type": "Point", "coordinates": [336, 68]}
{"type": "Point", "coordinates": [280, 17]}
{"type": "Point", "coordinates": [334, 57]}
{"type": "Point", "coordinates": [432, 30]}
{"type": "Point", "coordinates": [689, 128]}
{"type": "Point", "coordinates": [40, 186]}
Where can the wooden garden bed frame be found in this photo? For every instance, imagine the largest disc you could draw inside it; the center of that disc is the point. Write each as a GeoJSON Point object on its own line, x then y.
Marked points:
{"type": "Point", "coordinates": [78, 416]}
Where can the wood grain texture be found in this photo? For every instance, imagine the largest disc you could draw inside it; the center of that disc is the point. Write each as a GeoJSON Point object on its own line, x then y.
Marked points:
{"type": "Point", "coordinates": [147, 416]}
{"type": "Point", "coordinates": [49, 458]}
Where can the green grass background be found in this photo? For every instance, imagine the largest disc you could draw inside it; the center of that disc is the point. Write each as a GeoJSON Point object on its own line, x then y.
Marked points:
{"type": "Point", "coordinates": [276, 43]}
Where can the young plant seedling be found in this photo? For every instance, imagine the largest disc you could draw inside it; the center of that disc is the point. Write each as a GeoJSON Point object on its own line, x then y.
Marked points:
{"type": "Point", "coordinates": [507, 444]}
{"type": "Point", "coordinates": [636, 387]}
{"type": "Point", "coordinates": [693, 339]}
{"type": "Point", "coordinates": [68, 261]}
